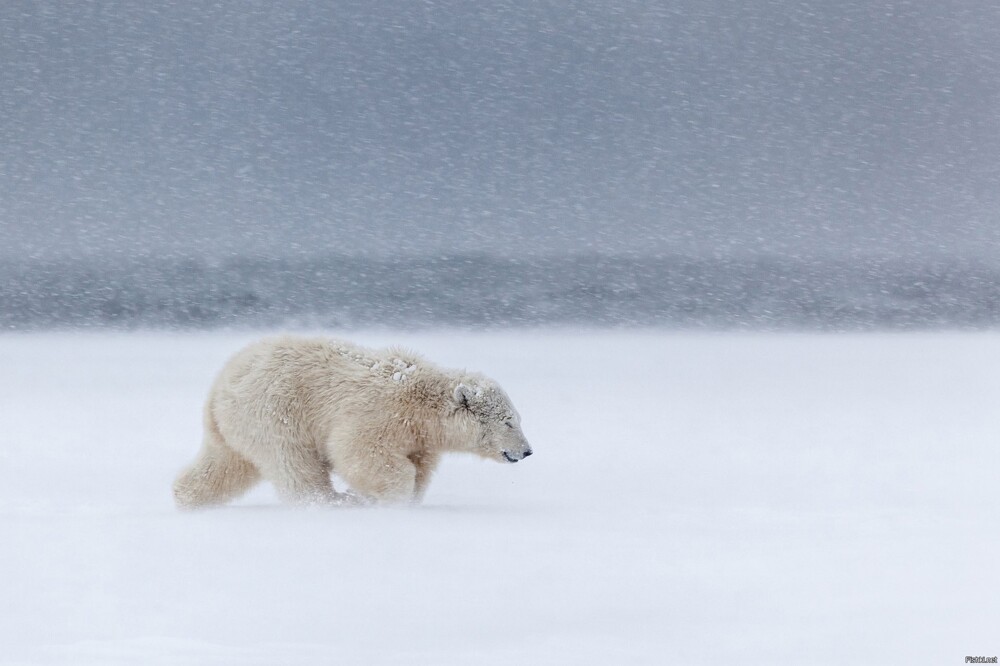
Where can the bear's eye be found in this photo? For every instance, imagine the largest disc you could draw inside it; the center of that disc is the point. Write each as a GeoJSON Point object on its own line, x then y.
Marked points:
{"type": "Point", "coordinates": [509, 424]}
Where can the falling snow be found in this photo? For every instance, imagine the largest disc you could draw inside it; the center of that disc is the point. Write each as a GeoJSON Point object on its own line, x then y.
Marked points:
{"type": "Point", "coordinates": [555, 172]}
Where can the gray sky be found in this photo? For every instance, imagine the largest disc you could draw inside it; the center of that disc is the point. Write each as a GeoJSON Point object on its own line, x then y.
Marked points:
{"type": "Point", "coordinates": [284, 126]}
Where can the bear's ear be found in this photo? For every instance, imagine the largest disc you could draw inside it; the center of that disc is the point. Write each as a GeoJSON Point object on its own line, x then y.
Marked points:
{"type": "Point", "coordinates": [464, 394]}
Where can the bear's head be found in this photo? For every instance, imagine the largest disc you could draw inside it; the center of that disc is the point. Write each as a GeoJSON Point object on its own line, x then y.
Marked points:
{"type": "Point", "coordinates": [495, 424]}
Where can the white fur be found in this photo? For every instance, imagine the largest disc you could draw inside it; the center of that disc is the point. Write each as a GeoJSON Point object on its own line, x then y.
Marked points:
{"type": "Point", "coordinates": [293, 410]}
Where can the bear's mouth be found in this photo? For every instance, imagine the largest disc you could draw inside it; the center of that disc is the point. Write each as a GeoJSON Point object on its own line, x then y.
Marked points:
{"type": "Point", "coordinates": [508, 458]}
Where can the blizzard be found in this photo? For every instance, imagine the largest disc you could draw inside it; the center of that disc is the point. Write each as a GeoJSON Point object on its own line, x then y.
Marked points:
{"type": "Point", "coordinates": [693, 498]}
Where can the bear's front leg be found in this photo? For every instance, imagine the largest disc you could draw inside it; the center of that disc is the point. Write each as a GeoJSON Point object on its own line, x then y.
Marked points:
{"type": "Point", "coordinates": [424, 463]}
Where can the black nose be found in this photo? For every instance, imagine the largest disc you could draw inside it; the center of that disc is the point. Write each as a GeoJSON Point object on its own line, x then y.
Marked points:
{"type": "Point", "coordinates": [527, 453]}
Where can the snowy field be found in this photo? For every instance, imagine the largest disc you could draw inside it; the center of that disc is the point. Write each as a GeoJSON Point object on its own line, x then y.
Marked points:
{"type": "Point", "coordinates": [751, 499]}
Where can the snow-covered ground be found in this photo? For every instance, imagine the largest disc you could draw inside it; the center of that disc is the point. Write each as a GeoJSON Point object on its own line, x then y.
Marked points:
{"type": "Point", "coordinates": [752, 499]}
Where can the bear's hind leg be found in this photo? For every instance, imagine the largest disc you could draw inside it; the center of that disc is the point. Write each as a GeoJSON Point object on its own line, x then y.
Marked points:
{"type": "Point", "coordinates": [299, 476]}
{"type": "Point", "coordinates": [217, 476]}
{"type": "Point", "coordinates": [386, 479]}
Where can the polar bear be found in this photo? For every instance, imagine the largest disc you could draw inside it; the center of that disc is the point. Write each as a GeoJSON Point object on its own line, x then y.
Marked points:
{"type": "Point", "coordinates": [292, 410]}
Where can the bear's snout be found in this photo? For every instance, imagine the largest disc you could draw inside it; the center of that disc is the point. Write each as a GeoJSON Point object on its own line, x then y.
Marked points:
{"type": "Point", "coordinates": [514, 458]}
